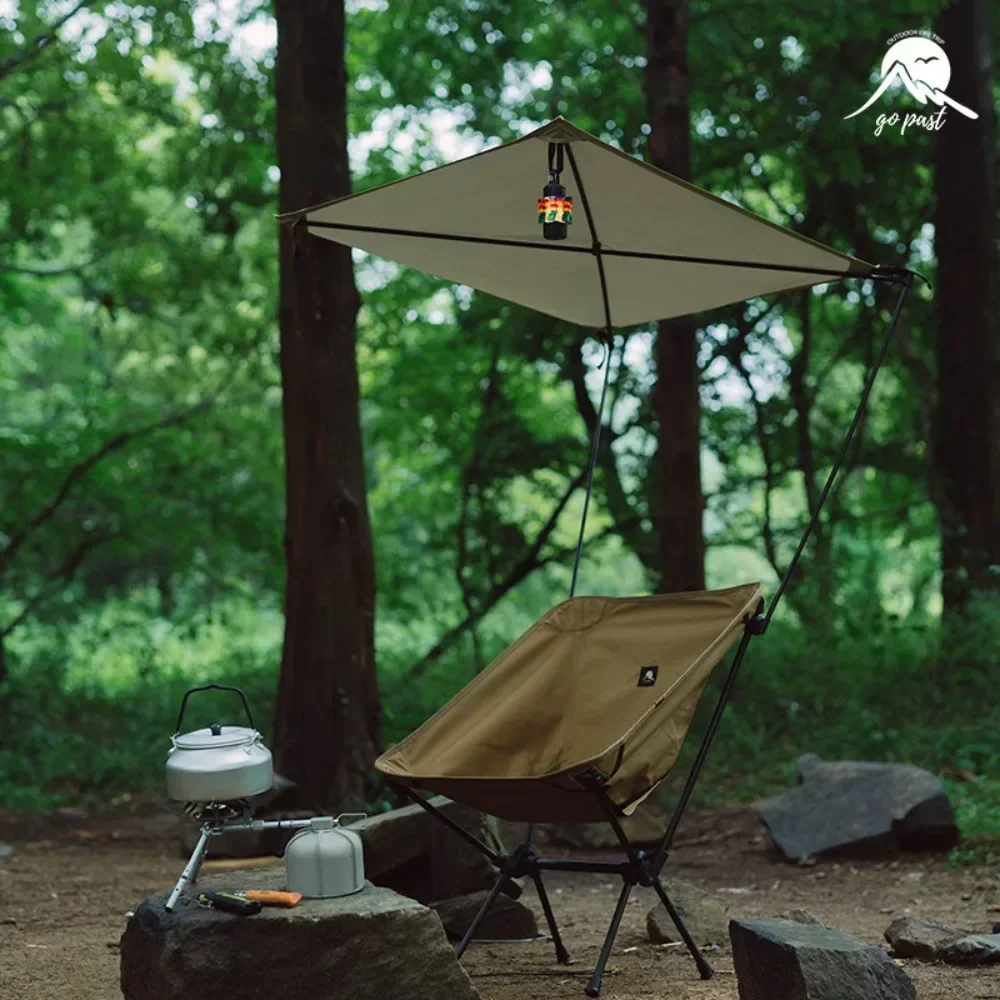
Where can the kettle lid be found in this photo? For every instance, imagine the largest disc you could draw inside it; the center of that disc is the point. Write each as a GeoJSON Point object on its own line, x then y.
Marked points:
{"type": "Point", "coordinates": [216, 737]}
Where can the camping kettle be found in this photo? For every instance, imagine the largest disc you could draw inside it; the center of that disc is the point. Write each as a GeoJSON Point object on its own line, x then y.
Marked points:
{"type": "Point", "coordinates": [220, 763]}
{"type": "Point", "coordinates": [325, 860]}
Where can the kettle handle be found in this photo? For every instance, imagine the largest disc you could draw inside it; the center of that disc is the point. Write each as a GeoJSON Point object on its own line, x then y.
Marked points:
{"type": "Point", "coordinates": [213, 687]}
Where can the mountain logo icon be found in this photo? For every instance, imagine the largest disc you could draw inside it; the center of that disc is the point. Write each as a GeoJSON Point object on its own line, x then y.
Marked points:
{"type": "Point", "coordinates": [920, 65]}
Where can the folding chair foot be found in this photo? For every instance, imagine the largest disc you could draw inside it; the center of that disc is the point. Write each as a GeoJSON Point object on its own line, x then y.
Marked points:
{"type": "Point", "coordinates": [594, 986]}
{"type": "Point", "coordinates": [562, 955]}
{"type": "Point", "coordinates": [704, 968]}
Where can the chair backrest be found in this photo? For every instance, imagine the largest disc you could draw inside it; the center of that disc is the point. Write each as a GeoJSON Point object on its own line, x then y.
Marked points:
{"type": "Point", "coordinates": [586, 678]}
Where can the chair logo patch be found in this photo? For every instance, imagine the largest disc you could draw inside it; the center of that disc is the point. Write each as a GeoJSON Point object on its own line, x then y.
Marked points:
{"type": "Point", "coordinates": [647, 676]}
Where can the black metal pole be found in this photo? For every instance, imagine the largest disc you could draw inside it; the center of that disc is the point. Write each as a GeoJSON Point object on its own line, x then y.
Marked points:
{"type": "Point", "coordinates": [481, 915]}
{"type": "Point", "coordinates": [906, 280]}
{"type": "Point", "coordinates": [609, 811]}
{"type": "Point", "coordinates": [595, 448]}
{"type": "Point", "coordinates": [562, 955]}
{"type": "Point", "coordinates": [705, 970]}
{"type": "Point", "coordinates": [594, 986]}
{"type": "Point", "coordinates": [757, 625]}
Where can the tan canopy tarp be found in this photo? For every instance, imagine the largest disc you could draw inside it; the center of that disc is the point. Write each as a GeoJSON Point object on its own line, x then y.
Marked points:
{"type": "Point", "coordinates": [567, 696]}
{"type": "Point", "coordinates": [662, 241]}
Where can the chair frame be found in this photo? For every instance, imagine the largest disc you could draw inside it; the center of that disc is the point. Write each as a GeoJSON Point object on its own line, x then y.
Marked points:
{"type": "Point", "coordinates": [640, 867]}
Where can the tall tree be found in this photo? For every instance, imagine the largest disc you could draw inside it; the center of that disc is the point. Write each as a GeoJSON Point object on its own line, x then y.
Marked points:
{"type": "Point", "coordinates": [682, 546]}
{"type": "Point", "coordinates": [967, 432]}
{"type": "Point", "coordinates": [327, 717]}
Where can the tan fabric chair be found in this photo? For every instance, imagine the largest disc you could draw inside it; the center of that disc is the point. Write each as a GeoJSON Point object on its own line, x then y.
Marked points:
{"type": "Point", "coordinates": [599, 684]}
{"type": "Point", "coordinates": [578, 721]}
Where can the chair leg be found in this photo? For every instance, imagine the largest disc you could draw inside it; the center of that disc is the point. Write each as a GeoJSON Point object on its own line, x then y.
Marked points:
{"type": "Point", "coordinates": [562, 955]}
{"type": "Point", "coordinates": [703, 967]}
{"type": "Point", "coordinates": [478, 919]}
{"type": "Point", "coordinates": [594, 986]}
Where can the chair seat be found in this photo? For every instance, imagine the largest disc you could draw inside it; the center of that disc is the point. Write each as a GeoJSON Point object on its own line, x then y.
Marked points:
{"type": "Point", "coordinates": [602, 686]}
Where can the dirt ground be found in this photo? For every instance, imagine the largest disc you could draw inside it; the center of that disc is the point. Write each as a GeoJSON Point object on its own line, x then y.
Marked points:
{"type": "Point", "coordinates": [66, 890]}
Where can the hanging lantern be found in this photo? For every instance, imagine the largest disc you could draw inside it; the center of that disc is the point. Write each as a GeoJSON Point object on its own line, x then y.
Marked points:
{"type": "Point", "coordinates": [555, 207]}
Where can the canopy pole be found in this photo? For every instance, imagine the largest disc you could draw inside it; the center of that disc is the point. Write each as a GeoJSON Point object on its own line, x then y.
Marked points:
{"type": "Point", "coordinates": [757, 623]}
{"type": "Point", "coordinates": [594, 452]}
{"type": "Point", "coordinates": [595, 248]}
{"type": "Point", "coordinates": [750, 628]}
{"type": "Point", "coordinates": [904, 278]}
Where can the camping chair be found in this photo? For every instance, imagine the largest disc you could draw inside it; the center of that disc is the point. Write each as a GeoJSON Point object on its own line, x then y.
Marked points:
{"type": "Point", "coordinates": [584, 715]}
{"type": "Point", "coordinates": [578, 721]}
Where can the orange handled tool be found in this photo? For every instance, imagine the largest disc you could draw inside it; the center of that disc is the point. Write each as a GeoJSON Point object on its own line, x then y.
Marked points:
{"type": "Point", "coordinates": [272, 897]}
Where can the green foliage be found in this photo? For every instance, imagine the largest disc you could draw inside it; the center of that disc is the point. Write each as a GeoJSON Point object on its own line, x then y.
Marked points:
{"type": "Point", "coordinates": [88, 712]}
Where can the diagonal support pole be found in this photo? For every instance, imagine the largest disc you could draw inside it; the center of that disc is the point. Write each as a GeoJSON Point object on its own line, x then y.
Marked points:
{"type": "Point", "coordinates": [594, 986]}
{"type": "Point", "coordinates": [704, 968]}
{"type": "Point", "coordinates": [509, 867]}
{"type": "Point", "coordinates": [595, 449]}
{"type": "Point", "coordinates": [562, 955]}
{"type": "Point", "coordinates": [481, 915]}
{"type": "Point", "coordinates": [758, 624]}
{"type": "Point", "coordinates": [699, 761]}
{"type": "Point", "coordinates": [905, 280]}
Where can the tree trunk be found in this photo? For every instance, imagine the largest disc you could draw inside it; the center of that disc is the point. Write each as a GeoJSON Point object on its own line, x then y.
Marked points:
{"type": "Point", "coordinates": [327, 719]}
{"type": "Point", "coordinates": [967, 427]}
{"type": "Point", "coordinates": [680, 502]}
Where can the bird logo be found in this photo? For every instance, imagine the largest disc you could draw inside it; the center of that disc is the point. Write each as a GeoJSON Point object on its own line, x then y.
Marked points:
{"type": "Point", "coordinates": [920, 65]}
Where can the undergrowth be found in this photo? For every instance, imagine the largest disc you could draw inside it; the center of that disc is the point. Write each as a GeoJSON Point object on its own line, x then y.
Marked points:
{"type": "Point", "coordinates": [86, 715]}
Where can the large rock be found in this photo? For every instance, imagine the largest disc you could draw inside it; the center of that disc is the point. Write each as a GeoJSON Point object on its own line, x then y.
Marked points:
{"type": "Point", "coordinates": [372, 944]}
{"type": "Point", "coordinates": [920, 937]}
{"type": "Point", "coordinates": [417, 855]}
{"type": "Point", "coordinates": [787, 960]}
{"type": "Point", "coordinates": [507, 919]}
{"type": "Point", "coordinates": [703, 915]}
{"type": "Point", "coordinates": [855, 805]}
{"type": "Point", "coordinates": [975, 949]}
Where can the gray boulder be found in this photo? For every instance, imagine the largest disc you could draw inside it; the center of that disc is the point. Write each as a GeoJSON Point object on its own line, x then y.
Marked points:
{"type": "Point", "coordinates": [703, 915]}
{"type": "Point", "coordinates": [975, 949]}
{"type": "Point", "coordinates": [920, 937]}
{"type": "Point", "coordinates": [372, 944]}
{"type": "Point", "coordinates": [415, 854]}
{"type": "Point", "coordinates": [507, 919]}
{"type": "Point", "coordinates": [847, 806]}
{"type": "Point", "coordinates": [787, 960]}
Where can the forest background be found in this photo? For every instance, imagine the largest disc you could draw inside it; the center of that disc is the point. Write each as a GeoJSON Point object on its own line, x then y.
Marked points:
{"type": "Point", "coordinates": [142, 462]}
